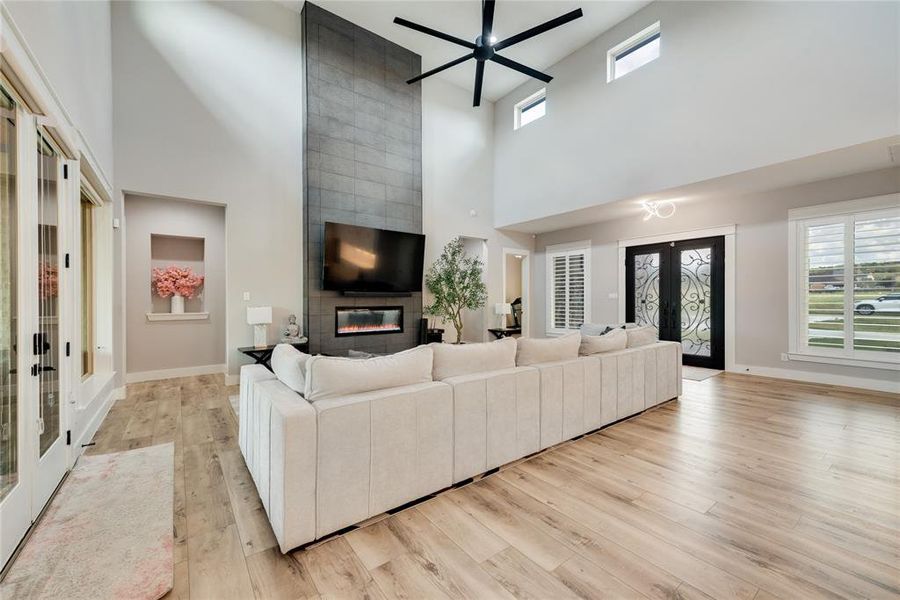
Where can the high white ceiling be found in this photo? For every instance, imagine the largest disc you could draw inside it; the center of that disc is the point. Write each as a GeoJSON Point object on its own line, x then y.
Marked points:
{"type": "Point", "coordinates": [462, 18]}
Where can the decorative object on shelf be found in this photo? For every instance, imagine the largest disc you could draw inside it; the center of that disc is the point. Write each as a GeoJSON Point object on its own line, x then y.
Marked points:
{"type": "Point", "coordinates": [291, 332]}
{"type": "Point", "coordinates": [661, 209]}
{"type": "Point", "coordinates": [176, 283]}
{"type": "Point", "coordinates": [260, 317]}
{"type": "Point", "coordinates": [486, 45]}
{"type": "Point", "coordinates": [456, 283]}
{"type": "Point", "coordinates": [502, 309]}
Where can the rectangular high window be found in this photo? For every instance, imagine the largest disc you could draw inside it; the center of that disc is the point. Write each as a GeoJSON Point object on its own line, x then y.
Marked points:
{"type": "Point", "coordinates": [633, 53]}
{"type": "Point", "coordinates": [846, 280]}
{"type": "Point", "coordinates": [531, 109]}
{"type": "Point", "coordinates": [568, 281]}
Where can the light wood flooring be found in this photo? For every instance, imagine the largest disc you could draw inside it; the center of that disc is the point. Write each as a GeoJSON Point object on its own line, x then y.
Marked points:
{"type": "Point", "coordinates": [745, 488]}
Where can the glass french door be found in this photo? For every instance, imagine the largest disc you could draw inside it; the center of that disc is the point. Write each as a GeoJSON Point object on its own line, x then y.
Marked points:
{"type": "Point", "coordinates": [33, 455]}
{"type": "Point", "coordinates": [679, 289]}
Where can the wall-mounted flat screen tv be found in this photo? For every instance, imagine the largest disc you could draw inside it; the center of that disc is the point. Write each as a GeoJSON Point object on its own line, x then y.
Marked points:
{"type": "Point", "coordinates": [367, 260]}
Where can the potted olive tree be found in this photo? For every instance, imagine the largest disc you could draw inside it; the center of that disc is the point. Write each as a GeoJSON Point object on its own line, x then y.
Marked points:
{"type": "Point", "coordinates": [456, 283]}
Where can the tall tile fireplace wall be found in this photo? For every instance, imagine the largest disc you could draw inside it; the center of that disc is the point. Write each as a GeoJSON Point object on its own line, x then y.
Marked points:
{"type": "Point", "coordinates": [362, 162]}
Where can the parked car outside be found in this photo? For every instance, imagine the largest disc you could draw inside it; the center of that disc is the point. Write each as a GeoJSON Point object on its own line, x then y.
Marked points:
{"type": "Point", "coordinates": [883, 304]}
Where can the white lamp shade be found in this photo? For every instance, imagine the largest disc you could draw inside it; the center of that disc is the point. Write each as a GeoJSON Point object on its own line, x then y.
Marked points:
{"type": "Point", "coordinates": [503, 308]}
{"type": "Point", "coordinates": [259, 315]}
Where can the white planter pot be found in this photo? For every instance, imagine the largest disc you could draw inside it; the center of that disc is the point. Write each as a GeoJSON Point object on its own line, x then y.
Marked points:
{"type": "Point", "coordinates": [177, 305]}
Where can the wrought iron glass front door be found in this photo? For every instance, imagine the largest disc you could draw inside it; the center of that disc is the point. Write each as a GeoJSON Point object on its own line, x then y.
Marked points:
{"type": "Point", "coordinates": [679, 288]}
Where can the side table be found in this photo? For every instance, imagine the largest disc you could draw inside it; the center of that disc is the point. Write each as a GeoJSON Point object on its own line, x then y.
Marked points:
{"type": "Point", "coordinates": [263, 356]}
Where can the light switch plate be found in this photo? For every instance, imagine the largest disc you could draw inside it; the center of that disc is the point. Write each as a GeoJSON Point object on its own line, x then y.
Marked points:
{"type": "Point", "coordinates": [246, 296]}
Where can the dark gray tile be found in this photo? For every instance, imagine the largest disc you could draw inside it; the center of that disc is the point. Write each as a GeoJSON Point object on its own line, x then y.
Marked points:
{"type": "Point", "coordinates": [370, 156]}
{"type": "Point", "coordinates": [336, 147]}
{"type": "Point", "coordinates": [399, 163]}
{"type": "Point", "coordinates": [338, 200]}
{"type": "Point", "coordinates": [370, 189]}
{"type": "Point", "coordinates": [370, 206]}
{"type": "Point", "coordinates": [369, 122]}
{"type": "Point", "coordinates": [335, 76]}
{"type": "Point", "coordinates": [340, 166]}
{"type": "Point", "coordinates": [398, 194]}
{"type": "Point", "coordinates": [337, 183]}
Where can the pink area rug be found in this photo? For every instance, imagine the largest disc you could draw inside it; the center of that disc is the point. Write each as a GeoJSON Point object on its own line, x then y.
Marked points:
{"type": "Point", "coordinates": [106, 535]}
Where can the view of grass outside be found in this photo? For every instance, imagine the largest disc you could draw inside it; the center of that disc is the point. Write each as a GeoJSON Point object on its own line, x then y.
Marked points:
{"type": "Point", "coordinates": [879, 331]}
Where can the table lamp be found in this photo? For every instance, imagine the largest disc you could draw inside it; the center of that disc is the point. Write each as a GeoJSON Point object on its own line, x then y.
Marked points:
{"type": "Point", "coordinates": [502, 309]}
{"type": "Point", "coordinates": [260, 317]}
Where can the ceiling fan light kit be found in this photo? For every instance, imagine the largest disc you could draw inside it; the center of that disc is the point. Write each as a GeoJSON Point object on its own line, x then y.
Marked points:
{"type": "Point", "coordinates": [486, 46]}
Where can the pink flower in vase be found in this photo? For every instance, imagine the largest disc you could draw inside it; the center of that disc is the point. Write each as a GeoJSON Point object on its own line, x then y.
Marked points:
{"type": "Point", "coordinates": [172, 281]}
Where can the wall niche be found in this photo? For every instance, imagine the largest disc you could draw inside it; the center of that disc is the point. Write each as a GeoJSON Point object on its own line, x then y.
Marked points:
{"type": "Point", "coordinates": [179, 251]}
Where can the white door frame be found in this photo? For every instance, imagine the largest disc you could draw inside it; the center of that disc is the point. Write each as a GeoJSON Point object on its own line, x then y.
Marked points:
{"type": "Point", "coordinates": [526, 285]}
{"type": "Point", "coordinates": [726, 231]}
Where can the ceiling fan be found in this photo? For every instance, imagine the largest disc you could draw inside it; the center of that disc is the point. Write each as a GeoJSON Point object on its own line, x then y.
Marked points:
{"type": "Point", "coordinates": [486, 45]}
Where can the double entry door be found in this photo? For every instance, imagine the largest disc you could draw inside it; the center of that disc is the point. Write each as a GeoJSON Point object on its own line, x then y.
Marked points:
{"type": "Point", "coordinates": [33, 456]}
{"type": "Point", "coordinates": [679, 288]}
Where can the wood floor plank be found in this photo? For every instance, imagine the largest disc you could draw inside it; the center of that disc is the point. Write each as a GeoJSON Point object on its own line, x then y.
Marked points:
{"type": "Point", "coordinates": [218, 569]}
{"type": "Point", "coordinates": [278, 577]}
{"type": "Point", "coordinates": [524, 579]}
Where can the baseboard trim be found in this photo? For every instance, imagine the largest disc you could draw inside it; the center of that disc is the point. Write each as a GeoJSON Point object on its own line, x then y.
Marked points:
{"type": "Point", "coordinates": [232, 379]}
{"type": "Point", "coordinates": [93, 425]}
{"type": "Point", "coordinates": [173, 373]}
{"type": "Point", "coordinates": [823, 378]}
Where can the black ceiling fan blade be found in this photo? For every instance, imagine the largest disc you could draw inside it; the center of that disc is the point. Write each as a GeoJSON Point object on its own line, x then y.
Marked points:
{"type": "Point", "coordinates": [539, 29]}
{"type": "Point", "coordinates": [434, 32]}
{"type": "Point", "coordinates": [521, 68]}
{"type": "Point", "coordinates": [487, 20]}
{"type": "Point", "coordinates": [452, 63]}
{"type": "Point", "coordinates": [479, 79]}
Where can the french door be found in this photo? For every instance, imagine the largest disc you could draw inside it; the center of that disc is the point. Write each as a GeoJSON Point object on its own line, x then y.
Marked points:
{"type": "Point", "coordinates": [679, 288]}
{"type": "Point", "coordinates": [33, 453]}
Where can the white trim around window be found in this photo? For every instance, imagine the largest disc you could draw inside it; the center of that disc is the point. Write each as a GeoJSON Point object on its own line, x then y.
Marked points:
{"type": "Point", "coordinates": [575, 286]}
{"type": "Point", "coordinates": [841, 217]}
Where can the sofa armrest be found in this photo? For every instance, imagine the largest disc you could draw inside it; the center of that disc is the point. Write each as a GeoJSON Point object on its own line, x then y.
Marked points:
{"type": "Point", "coordinates": [291, 466]}
{"type": "Point", "coordinates": [277, 433]}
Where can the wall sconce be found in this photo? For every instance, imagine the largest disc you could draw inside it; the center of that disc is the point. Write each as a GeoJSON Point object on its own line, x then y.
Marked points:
{"type": "Point", "coordinates": [662, 209]}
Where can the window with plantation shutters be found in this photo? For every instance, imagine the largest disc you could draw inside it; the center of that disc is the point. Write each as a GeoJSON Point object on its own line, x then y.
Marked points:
{"type": "Point", "coordinates": [568, 287]}
{"type": "Point", "coordinates": [846, 281]}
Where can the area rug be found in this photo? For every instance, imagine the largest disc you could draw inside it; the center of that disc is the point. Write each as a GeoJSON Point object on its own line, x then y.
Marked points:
{"type": "Point", "coordinates": [698, 373]}
{"type": "Point", "coordinates": [106, 535]}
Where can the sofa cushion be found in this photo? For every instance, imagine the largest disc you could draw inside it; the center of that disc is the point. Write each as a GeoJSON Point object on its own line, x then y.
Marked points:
{"type": "Point", "coordinates": [289, 366]}
{"type": "Point", "coordinates": [453, 360]}
{"type": "Point", "coordinates": [641, 336]}
{"type": "Point", "coordinates": [332, 376]}
{"type": "Point", "coordinates": [604, 328]}
{"type": "Point", "coordinates": [532, 351]}
{"type": "Point", "coordinates": [615, 339]}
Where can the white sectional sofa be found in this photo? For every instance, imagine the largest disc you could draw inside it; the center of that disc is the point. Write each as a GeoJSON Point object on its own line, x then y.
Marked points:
{"type": "Point", "coordinates": [369, 435]}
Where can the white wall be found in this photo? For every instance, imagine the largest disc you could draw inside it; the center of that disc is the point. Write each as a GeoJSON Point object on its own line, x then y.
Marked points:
{"type": "Point", "coordinates": [738, 85]}
{"type": "Point", "coordinates": [164, 345]}
{"type": "Point", "coordinates": [457, 177]}
{"type": "Point", "coordinates": [207, 105]}
{"type": "Point", "coordinates": [761, 256]}
{"type": "Point", "coordinates": [72, 42]}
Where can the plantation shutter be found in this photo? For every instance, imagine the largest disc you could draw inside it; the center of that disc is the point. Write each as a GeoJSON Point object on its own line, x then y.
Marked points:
{"type": "Point", "coordinates": [849, 286]}
{"type": "Point", "coordinates": [568, 289]}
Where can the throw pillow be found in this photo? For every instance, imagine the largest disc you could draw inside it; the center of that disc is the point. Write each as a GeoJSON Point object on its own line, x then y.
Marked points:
{"type": "Point", "coordinates": [289, 366]}
{"type": "Point", "coordinates": [614, 339]}
{"type": "Point", "coordinates": [533, 351]}
{"type": "Point", "coordinates": [451, 360]}
{"type": "Point", "coordinates": [334, 376]}
{"type": "Point", "coordinates": [640, 336]}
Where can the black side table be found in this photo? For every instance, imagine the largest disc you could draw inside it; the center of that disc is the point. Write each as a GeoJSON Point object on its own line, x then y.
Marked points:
{"type": "Point", "coordinates": [502, 332]}
{"type": "Point", "coordinates": [263, 356]}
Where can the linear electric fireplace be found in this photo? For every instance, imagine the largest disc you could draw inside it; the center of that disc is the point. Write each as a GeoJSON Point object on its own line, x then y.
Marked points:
{"type": "Point", "coordinates": [367, 320]}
